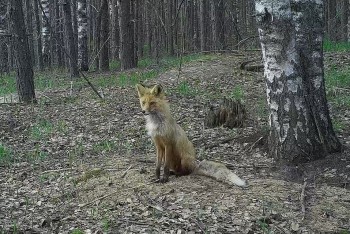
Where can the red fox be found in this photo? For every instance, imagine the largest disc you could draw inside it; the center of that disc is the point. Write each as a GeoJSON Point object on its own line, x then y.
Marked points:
{"type": "Point", "coordinates": [174, 150]}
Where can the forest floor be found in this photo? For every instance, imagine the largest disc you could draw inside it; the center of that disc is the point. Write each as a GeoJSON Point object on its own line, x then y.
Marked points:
{"type": "Point", "coordinates": [78, 164]}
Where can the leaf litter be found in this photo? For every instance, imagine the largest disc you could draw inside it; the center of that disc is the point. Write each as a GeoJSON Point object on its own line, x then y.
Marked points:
{"type": "Point", "coordinates": [83, 164]}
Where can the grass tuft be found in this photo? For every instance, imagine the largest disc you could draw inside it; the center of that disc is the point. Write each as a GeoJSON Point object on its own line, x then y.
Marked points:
{"type": "Point", "coordinates": [237, 93]}
{"type": "Point", "coordinates": [6, 156]}
{"type": "Point", "coordinates": [330, 46]}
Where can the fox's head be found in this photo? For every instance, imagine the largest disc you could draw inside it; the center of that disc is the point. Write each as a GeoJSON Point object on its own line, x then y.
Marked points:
{"type": "Point", "coordinates": [152, 100]}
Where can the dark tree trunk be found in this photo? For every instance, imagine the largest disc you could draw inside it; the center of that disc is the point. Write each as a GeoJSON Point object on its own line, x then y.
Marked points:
{"type": "Point", "coordinates": [220, 24]}
{"type": "Point", "coordinates": [40, 61]}
{"type": "Point", "coordinates": [29, 23]}
{"type": "Point", "coordinates": [97, 39]}
{"type": "Point", "coordinates": [58, 34]}
{"type": "Point", "coordinates": [140, 29]}
{"type": "Point", "coordinates": [204, 23]}
{"type": "Point", "coordinates": [104, 58]}
{"type": "Point", "coordinates": [331, 21]}
{"type": "Point", "coordinates": [127, 59]}
{"type": "Point", "coordinates": [115, 30]}
{"type": "Point", "coordinates": [301, 129]}
{"type": "Point", "coordinates": [73, 55]}
{"type": "Point", "coordinates": [74, 12]}
{"type": "Point", "coordinates": [25, 75]}
{"type": "Point", "coordinates": [344, 19]}
{"type": "Point", "coordinates": [3, 41]}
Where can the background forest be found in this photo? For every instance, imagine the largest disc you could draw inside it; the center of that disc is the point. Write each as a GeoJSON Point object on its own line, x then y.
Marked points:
{"type": "Point", "coordinates": [101, 35]}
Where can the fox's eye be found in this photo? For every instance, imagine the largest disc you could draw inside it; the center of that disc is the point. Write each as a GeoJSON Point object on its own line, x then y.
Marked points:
{"type": "Point", "coordinates": [152, 103]}
{"type": "Point", "coordinates": [143, 103]}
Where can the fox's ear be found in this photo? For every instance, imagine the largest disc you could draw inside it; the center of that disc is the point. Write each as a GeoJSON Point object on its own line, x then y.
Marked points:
{"type": "Point", "coordinates": [140, 89]}
{"type": "Point", "coordinates": [157, 90]}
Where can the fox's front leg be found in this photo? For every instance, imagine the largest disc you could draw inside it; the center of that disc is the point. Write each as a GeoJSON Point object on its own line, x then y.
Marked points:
{"type": "Point", "coordinates": [160, 156]}
{"type": "Point", "coordinates": [167, 158]}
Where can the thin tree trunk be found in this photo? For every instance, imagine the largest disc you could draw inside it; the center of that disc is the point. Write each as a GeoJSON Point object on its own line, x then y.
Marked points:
{"type": "Point", "coordinates": [97, 39]}
{"type": "Point", "coordinates": [3, 41]}
{"type": "Point", "coordinates": [140, 29]}
{"type": "Point", "coordinates": [127, 59]}
{"type": "Point", "coordinates": [40, 61]}
{"type": "Point", "coordinates": [29, 19]}
{"type": "Point", "coordinates": [104, 58]}
{"type": "Point", "coordinates": [73, 55]}
{"type": "Point", "coordinates": [58, 32]}
{"type": "Point", "coordinates": [204, 23]}
{"type": "Point", "coordinates": [25, 75]}
{"type": "Point", "coordinates": [331, 21]}
{"type": "Point", "coordinates": [344, 19]}
{"type": "Point", "coordinates": [115, 30]}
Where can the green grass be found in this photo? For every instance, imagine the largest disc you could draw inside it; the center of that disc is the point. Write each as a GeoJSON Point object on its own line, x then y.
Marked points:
{"type": "Point", "coordinates": [104, 146]}
{"type": "Point", "coordinates": [338, 78]}
{"type": "Point", "coordinates": [6, 156]}
{"type": "Point", "coordinates": [41, 130]}
{"type": "Point", "coordinates": [114, 65]}
{"type": "Point", "coordinates": [184, 88]}
{"type": "Point", "coordinates": [338, 87]}
{"type": "Point", "coordinates": [330, 46]}
{"type": "Point", "coordinates": [237, 93]}
{"type": "Point", "coordinates": [77, 231]}
{"type": "Point", "coordinates": [338, 124]}
{"type": "Point", "coordinates": [59, 78]}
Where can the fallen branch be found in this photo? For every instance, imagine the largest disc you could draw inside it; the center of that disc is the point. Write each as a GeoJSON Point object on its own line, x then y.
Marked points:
{"type": "Point", "coordinates": [57, 170]}
{"type": "Point", "coordinates": [145, 160]}
{"type": "Point", "coordinates": [302, 198]}
{"type": "Point", "coordinates": [126, 171]}
{"type": "Point", "coordinates": [117, 191]}
{"type": "Point", "coordinates": [251, 147]}
{"type": "Point", "coordinates": [255, 67]}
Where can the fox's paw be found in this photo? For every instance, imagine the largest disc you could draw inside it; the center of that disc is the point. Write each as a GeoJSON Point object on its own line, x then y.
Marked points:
{"type": "Point", "coordinates": [163, 180]}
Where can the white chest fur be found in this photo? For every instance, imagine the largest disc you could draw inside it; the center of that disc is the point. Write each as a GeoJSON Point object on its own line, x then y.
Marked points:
{"type": "Point", "coordinates": [152, 127]}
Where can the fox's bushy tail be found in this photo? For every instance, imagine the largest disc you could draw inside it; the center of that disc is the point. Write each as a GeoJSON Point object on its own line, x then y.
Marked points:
{"type": "Point", "coordinates": [219, 172]}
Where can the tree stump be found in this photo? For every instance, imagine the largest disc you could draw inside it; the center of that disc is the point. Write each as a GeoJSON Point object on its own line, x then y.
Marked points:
{"type": "Point", "coordinates": [229, 113]}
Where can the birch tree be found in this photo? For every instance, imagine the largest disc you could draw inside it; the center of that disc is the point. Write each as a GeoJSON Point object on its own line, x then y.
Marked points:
{"type": "Point", "coordinates": [45, 31]}
{"type": "Point", "coordinates": [82, 36]}
{"type": "Point", "coordinates": [291, 36]}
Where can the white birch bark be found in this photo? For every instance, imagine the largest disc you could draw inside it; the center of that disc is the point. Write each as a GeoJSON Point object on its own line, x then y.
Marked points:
{"type": "Point", "coordinates": [297, 126]}
{"type": "Point", "coordinates": [82, 36]}
{"type": "Point", "coordinates": [45, 30]}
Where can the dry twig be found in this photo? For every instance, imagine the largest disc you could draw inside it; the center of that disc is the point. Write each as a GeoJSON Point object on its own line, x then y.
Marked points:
{"type": "Point", "coordinates": [302, 198]}
{"type": "Point", "coordinates": [126, 171]}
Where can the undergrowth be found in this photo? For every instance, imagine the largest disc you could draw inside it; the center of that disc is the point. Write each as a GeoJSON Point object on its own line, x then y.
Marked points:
{"type": "Point", "coordinates": [147, 68]}
{"type": "Point", "coordinates": [330, 46]}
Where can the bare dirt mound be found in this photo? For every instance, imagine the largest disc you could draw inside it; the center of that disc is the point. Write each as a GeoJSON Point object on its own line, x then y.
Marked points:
{"type": "Point", "coordinates": [82, 164]}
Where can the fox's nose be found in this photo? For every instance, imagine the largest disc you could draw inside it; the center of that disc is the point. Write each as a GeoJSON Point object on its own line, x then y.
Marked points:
{"type": "Point", "coordinates": [143, 112]}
